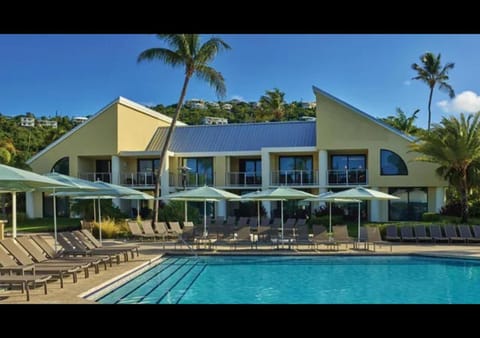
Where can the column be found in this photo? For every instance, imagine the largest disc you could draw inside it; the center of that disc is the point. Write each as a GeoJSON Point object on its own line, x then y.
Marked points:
{"type": "Point", "coordinates": [322, 170]}
{"type": "Point", "coordinates": [266, 176]}
{"type": "Point", "coordinates": [165, 179]}
{"type": "Point", "coordinates": [30, 205]}
{"type": "Point", "coordinates": [439, 198]}
{"type": "Point", "coordinates": [375, 209]}
{"type": "Point", "coordinates": [221, 209]}
{"type": "Point", "coordinates": [115, 176]}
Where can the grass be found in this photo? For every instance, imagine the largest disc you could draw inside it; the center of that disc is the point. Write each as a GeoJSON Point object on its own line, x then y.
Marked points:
{"type": "Point", "coordinates": [44, 224]}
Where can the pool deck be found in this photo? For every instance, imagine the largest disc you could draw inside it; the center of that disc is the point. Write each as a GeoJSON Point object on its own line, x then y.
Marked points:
{"type": "Point", "coordinates": [151, 251]}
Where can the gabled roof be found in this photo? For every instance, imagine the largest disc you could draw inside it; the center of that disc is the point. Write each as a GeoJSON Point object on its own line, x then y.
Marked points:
{"type": "Point", "coordinates": [358, 111]}
{"type": "Point", "coordinates": [121, 100]}
{"type": "Point", "coordinates": [236, 137]}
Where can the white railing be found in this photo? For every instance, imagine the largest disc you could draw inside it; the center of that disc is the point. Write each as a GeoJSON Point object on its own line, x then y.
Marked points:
{"type": "Point", "coordinates": [294, 177]}
{"type": "Point", "coordinates": [347, 177]}
{"type": "Point", "coordinates": [139, 178]}
{"type": "Point", "coordinates": [190, 180]}
{"type": "Point", "coordinates": [96, 176]}
{"type": "Point", "coordinates": [248, 178]}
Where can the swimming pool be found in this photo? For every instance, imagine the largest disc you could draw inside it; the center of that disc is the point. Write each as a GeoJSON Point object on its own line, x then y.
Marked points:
{"type": "Point", "coordinates": [303, 280]}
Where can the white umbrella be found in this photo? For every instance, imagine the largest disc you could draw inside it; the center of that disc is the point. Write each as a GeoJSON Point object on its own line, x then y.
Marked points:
{"type": "Point", "coordinates": [364, 194]}
{"type": "Point", "coordinates": [279, 194]}
{"type": "Point", "coordinates": [200, 194]}
{"type": "Point", "coordinates": [15, 180]}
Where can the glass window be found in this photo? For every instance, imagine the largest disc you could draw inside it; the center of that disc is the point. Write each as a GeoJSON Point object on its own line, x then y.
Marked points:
{"type": "Point", "coordinates": [391, 164]}
{"type": "Point", "coordinates": [342, 162]}
{"type": "Point", "coordinates": [201, 170]}
{"type": "Point", "coordinates": [412, 204]}
{"type": "Point", "coordinates": [295, 169]}
{"type": "Point", "coordinates": [62, 166]}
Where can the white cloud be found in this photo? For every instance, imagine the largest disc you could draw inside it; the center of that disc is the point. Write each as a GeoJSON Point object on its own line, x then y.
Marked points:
{"type": "Point", "coordinates": [465, 102]}
{"type": "Point", "coordinates": [407, 82]}
{"type": "Point", "coordinates": [238, 97]}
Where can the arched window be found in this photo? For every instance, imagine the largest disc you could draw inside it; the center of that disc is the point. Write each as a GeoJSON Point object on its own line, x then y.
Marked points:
{"type": "Point", "coordinates": [62, 166]}
{"type": "Point", "coordinates": [391, 164]}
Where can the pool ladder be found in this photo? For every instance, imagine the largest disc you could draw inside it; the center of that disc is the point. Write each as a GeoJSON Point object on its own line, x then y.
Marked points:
{"type": "Point", "coordinates": [189, 247]}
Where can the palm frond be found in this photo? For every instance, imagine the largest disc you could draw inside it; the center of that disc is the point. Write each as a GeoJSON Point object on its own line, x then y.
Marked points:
{"type": "Point", "coordinates": [166, 55]}
{"type": "Point", "coordinates": [214, 79]}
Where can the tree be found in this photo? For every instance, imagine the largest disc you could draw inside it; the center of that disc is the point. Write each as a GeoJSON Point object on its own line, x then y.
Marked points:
{"type": "Point", "coordinates": [185, 51]}
{"type": "Point", "coordinates": [432, 73]}
{"type": "Point", "coordinates": [273, 103]}
{"type": "Point", "coordinates": [402, 122]}
{"type": "Point", "coordinates": [7, 151]}
{"type": "Point", "coordinates": [454, 144]}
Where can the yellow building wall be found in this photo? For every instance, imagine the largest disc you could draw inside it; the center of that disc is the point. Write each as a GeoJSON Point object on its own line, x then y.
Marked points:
{"type": "Point", "coordinates": [220, 169]}
{"type": "Point", "coordinates": [341, 128]}
{"type": "Point", "coordinates": [135, 128]}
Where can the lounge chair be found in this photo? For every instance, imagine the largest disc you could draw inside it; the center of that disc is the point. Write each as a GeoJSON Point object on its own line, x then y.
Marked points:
{"type": "Point", "coordinates": [340, 234]}
{"type": "Point", "coordinates": [242, 236]}
{"type": "Point", "coordinates": [466, 233]}
{"type": "Point", "coordinates": [406, 232]}
{"type": "Point", "coordinates": [132, 247]}
{"type": "Point", "coordinates": [391, 233]}
{"type": "Point", "coordinates": [363, 239]}
{"type": "Point", "coordinates": [108, 251]}
{"type": "Point", "coordinates": [320, 236]}
{"type": "Point", "coordinates": [302, 236]}
{"type": "Point", "coordinates": [57, 270]}
{"type": "Point", "coordinates": [25, 280]}
{"type": "Point", "coordinates": [175, 227]}
{"type": "Point", "coordinates": [9, 265]}
{"type": "Point", "coordinates": [451, 234]}
{"type": "Point", "coordinates": [421, 233]}
{"type": "Point", "coordinates": [476, 232]}
{"type": "Point", "coordinates": [374, 237]}
{"type": "Point", "coordinates": [73, 246]}
{"type": "Point", "coordinates": [436, 233]}
{"type": "Point", "coordinates": [219, 220]}
{"type": "Point", "coordinates": [137, 232]}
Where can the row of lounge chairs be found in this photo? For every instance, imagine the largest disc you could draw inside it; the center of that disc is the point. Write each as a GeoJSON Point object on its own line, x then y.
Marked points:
{"type": "Point", "coordinates": [31, 260]}
{"type": "Point", "coordinates": [436, 233]}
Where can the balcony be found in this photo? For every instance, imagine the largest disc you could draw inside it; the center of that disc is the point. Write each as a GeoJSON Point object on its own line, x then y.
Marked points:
{"type": "Point", "coordinates": [250, 179]}
{"type": "Point", "coordinates": [96, 176]}
{"type": "Point", "coordinates": [180, 180]}
{"type": "Point", "coordinates": [294, 177]}
{"type": "Point", "coordinates": [138, 179]}
{"type": "Point", "coordinates": [348, 177]}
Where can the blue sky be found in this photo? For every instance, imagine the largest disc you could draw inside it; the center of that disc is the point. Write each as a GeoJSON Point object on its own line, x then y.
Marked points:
{"type": "Point", "coordinates": [77, 75]}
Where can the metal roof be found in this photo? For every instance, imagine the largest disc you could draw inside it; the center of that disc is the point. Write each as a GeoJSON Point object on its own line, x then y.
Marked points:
{"type": "Point", "coordinates": [236, 137]}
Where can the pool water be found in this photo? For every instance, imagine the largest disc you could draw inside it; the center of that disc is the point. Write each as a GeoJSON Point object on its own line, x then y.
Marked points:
{"type": "Point", "coordinates": [303, 280]}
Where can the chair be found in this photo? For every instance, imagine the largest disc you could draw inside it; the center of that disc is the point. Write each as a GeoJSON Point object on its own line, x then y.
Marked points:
{"type": "Point", "coordinates": [73, 247]}
{"type": "Point", "coordinates": [132, 247]}
{"type": "Point", "coordinates": [340, 234]}
{"type": "Point", "coordinates": [466, 233]}
{"type": "Point", "coordinates": [392, 234]}
{"type": "Point", "coordinates": [25, 280]}
{"type": "Point", "coordinates": [406, 232]}
{"type": "Point", "coordinates": [421, 233]}
{"type": "Point", "coordinates": [436, 233]}
{"type": "Point", "coordinates": [320, 236]}
{"type": "Point", "coordinates": [451, 234]}
{"type": "Point", "coordinates": [362, 238]}
{"type": "Point", "coordinates": [137, 232]}
{"type": "Point", "coordinates": [112, 252]}
{"type": "Point", "coordinates": [374, 237]}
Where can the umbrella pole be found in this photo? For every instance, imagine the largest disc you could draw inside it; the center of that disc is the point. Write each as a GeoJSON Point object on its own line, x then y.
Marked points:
{"type": "Point", "coordinates": [330, 217]}
{"type": "Point", "coordinates": [205, 218]}
{"type": "Point", "coordinates": [186, 213]}
{"type": "Point", "coordinates": [100, 220]}
{"type": "Point", "coordinates": [55, 219]}
{"type": "Point", "coordinates": [94, 212]}
{"type": "Point", "coordinates": [358, 221]}
{"type": "Point", "coordinates": [281, 217]}
{"type": "Point", "coordinates": [138, 210]}
{"type": "Point", "coordinates": [14, 214]}
{"type": "Point", "coordinates": [258, 216]}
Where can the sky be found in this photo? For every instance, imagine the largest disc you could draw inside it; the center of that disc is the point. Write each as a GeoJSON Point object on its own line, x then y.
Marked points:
{"type": "Point", "coordinates": [77, 75]}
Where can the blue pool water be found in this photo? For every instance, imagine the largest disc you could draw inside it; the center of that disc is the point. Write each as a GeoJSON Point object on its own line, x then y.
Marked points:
{"type": "Point", "coordinates": [300, 280]}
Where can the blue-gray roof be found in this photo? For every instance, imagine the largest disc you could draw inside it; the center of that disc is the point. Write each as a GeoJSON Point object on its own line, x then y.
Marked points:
{"type": "Point", "coordinates": [236, 137]}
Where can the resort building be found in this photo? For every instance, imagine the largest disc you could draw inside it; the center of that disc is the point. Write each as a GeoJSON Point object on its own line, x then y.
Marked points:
{"type": "Point", "coordinates": [344, 147]}
{"type": "Point", "coordinates": [214, 120]}
{"type": "Point", "coordinates": [27, 122]}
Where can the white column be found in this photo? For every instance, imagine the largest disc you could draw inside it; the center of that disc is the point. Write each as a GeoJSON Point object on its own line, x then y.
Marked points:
{"type": "Point", "coordinates": [266, 177]}
{"type": "Point", "coordinates": [221, 209]}
{"type": "Point", "coordinates": [29, 205]}
{"type": "Point", "coordinates": [439, 198]}
{"type": "Point", "coordinates": [164, 180]}
{"type": "Point", "coordinates": [375, 209]}
{"type": "Point", "coordinates": [322, 170]}
{"type": "Point", "coordinates": [14, 214]}
{"type": "Point", "coordinates": [116, 176]}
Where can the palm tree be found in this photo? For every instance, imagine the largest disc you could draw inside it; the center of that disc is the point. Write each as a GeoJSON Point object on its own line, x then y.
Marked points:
{"type": "Point", "coordinates": [432, 74]}
{"type": "Point", "coordinates": [7, 151]}
{"type": "Point", "coordinates": [454, 144]}
{"type": "Point", "coordinates": [186, 51]}
{"type": "Point", "coordinates": [273, 103]}
{"type": "Point", "coordinates": [402, 122]}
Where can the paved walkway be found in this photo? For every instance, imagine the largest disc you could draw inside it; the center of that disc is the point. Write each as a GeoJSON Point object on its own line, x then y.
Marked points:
{"type": "Point", "coordinates": [148, 251]}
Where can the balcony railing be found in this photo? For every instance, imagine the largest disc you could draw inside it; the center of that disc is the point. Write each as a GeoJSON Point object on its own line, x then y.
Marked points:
{"type": "Point", "coordinates": [294, 177]}
{"type": "Point", "coordinates": [138, 179]}
{"type": "Point", "coordinates": [190, 180]}
{"type": "Point", "coordinates": [95, 176]}
{"type": "Point", "coordinates": [239, 178]}
{"type": "Point", "coordinates": [348, 177]}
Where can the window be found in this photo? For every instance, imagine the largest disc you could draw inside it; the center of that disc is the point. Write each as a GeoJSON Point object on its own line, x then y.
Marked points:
{"type": "Point", "coordinates": [391, 164]}
{"type": "Point", "coordinates": [348, 169]}
{"type": "Point", "coordinates": [252, 170]}
{"type": "Point", "coordinates": [146, 171]}
{"type": "Point", "coordinates": [201, 171]}
{"type": "Point", "coordinates": [412, 204]}
{"type": "Point", "coordinates": [62, 166]}
{"type": "Point", "coordinates": [295, 169]}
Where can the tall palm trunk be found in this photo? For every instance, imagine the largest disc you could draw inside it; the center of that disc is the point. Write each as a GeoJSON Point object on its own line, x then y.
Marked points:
{"type": "Point", "coordinates": [464, 199]}
{"type": "Point", "coordinates": [163, 155]}
{"type": "Point", "coordinates": [429, 107]}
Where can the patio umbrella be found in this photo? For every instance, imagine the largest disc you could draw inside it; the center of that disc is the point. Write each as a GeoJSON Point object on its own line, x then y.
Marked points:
{"type": "Point", "coordinates": [15, 180]}
{"type": "Point", "coordinates": [202, 194]}
{"type": "Point", "coordinates": [251, 197]}
{"type": "Point", "coordinates": [74, 185]}
{"type": "Point", "coordinates": [279, 194]}
{"type": "Point", "coordinates": [327, 197]}
{"type": "Point", "coordinates": [362, 194]}
{"type": "Point", "coordinates": [105, 191]}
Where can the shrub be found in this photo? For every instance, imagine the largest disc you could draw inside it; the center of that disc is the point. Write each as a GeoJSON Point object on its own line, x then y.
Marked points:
{"type": "Point", "coordinates": [324, 220]}
{"type": "Point", "coordinates": [430, 217]}
{"type": "Point", "coordinates": [109, 228]}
